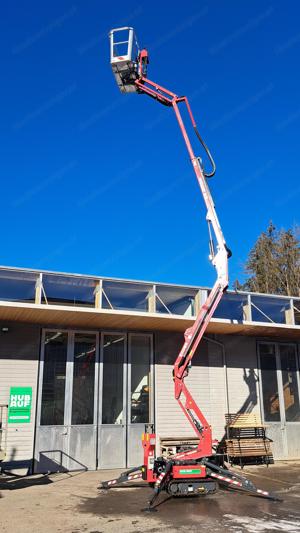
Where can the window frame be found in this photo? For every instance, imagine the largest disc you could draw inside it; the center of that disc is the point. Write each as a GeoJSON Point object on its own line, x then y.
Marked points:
{"type": "Point", "coordinates": [98, 403]}
{"type": "Point", "coordinates": [151, 379]}
{"type": "Point", "coordinates": [282, 422]}
{"type": "Point", "coordinates": [69, 375]}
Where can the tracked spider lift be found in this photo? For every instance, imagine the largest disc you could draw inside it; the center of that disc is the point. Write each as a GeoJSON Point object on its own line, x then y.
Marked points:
{"type": "Point", "coordinates": [195, 471]}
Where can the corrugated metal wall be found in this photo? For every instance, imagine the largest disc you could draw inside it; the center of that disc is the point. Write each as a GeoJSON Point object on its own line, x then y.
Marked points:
{"type": "Point", "coordinates": [19, 354]}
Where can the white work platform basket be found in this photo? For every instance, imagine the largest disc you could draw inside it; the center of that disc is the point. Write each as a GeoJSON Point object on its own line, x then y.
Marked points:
{"type": "Point", "coordinates": [124, 51]}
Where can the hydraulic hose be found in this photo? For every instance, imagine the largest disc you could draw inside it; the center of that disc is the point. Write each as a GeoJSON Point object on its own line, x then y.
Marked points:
{"type": "Point", "coordinates": [210, 157]}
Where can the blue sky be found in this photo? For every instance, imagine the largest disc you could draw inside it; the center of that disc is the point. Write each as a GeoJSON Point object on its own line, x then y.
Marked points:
{"type": "Point", "coordinates": [100, 183]}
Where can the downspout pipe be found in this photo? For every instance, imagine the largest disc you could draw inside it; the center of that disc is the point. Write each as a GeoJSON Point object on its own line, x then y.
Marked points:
{"type": "Point", "coordinates": [224, 360]}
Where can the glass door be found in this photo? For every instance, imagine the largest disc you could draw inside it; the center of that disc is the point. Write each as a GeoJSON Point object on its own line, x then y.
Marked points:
{"type": "Point", "coordinates": [112, 413]}
{"type": "Point", "coordinates": [140, 394]}
{"type": "Point", "coordinates": [279, 372]}
{"type": "Point", "coordinates": [51, 436]}
{"type": "Point", "coordinates": [126, 398]}
{"type": "Point", "coordinates": [289, 366]}
{"type": "Point", "coordinates": [82, 423]}
{"type": "Point", "coordinates": [95, 397]}
{"type": "Point", "coordinates": [66, 419]}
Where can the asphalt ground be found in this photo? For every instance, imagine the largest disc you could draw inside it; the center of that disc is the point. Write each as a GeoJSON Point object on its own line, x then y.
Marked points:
{"type": "Point", "coordinates": [71, 502]}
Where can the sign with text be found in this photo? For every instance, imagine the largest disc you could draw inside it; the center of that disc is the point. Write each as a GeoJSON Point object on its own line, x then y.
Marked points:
{"type": "Point", "coordinates": [19, 407]}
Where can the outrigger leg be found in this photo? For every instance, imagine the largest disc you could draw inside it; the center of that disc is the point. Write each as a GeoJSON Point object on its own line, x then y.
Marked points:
{"type": "Point", "coordinates": [158, 487]}
{"type": "Point", "coordinates": [236, 480]}
{"type": "Point", "coordinates": [129, 475]}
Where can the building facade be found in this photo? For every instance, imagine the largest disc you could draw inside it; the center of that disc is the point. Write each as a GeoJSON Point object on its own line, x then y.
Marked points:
{"type": "Point", "coordinates": [85, 362]}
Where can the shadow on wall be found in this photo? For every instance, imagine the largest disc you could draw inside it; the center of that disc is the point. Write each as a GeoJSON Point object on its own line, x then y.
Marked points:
{"type": "Point", "coordinates": [12, 454]}
{"type": "Point", "coordinates": [10, 463]}
{"type": "Point", "coordinates": [251, 379]}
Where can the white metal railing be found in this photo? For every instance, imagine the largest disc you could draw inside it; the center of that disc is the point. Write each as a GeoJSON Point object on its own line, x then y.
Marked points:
{"type": "Point", "coordinates": [260, 311]}
{"type": "Point", "coordinates": [23, 285]}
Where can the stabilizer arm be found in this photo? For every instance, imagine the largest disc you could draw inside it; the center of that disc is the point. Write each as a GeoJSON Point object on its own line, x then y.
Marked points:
{"type": "Point", "coordinates": [129, 475]}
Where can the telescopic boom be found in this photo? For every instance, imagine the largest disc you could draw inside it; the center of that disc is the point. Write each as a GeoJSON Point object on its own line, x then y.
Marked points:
{"type": "Point", "coordinates": [130, 71]}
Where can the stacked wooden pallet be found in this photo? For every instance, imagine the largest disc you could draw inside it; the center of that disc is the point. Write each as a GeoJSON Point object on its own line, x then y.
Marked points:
{"type": "Point", "coordinates": [169, 446]}
{"type": "Point", "coordinates": [246, 439]}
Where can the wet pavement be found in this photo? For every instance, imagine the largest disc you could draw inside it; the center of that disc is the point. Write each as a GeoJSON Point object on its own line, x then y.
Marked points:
{"type": "Point", "coordinates": [72, 503]}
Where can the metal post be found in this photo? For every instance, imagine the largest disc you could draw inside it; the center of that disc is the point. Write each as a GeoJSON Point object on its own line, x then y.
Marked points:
{"type": "Point", "coordinates": [38, 289]}
{"type": "Point", "coordinates": [152, 300]}
{"type": "Point", "coordinates": [98, 294]}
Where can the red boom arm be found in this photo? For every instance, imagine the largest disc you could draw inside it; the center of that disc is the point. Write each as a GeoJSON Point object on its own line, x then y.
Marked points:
{"type": "Point", "coordinates": [219, 258]}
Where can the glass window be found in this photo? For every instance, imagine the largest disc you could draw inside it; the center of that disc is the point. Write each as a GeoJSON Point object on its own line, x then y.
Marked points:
{"type": "Point", "coordinates": [267, 308]}
{"type": "Point", "coordinates": [231, 306]}
{"type": "Point", "coordinates": [17, 285]}
{"type": "Point", "coordinates": [54, 378]}
{"type": "Point", "coordinates": [68, 290]}
{"type": "Point", "coordinates": [118, 295]}
{"type": "Point", "coordinates": [83, 379]}
{"type": "Point", "coordinates": [288, 361]}
{"type": "Point", "coordinates": [175, 300]}
{"type": "Point", "coordinates": [113, 362]}
{"type": "Point", "coordinates": [269, 382]}
{"type": "Point", "coordinates": [140, 350]}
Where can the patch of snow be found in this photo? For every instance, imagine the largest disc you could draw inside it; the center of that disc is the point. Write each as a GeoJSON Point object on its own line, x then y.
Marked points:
{"type": "Point", "coordinates": [258, 525]}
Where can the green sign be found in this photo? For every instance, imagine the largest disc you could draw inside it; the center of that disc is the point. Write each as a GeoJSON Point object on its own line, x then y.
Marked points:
{"type": "Point", "coordinates": [189, 471]}
{"type": "Point", "coordinates": [19, 407]}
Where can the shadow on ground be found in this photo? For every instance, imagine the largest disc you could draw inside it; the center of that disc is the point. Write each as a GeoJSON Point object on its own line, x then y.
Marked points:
{"type": "Point", "coordinates": [15, 482]}
{"type": "Point", "coordinates": [227, 510]}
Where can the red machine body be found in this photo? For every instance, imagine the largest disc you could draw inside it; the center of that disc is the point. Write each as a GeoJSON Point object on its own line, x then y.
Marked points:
{"type": "Point", "coordinates": [148, 443]}
{"type": "Point", "coordinates": [192, 472]}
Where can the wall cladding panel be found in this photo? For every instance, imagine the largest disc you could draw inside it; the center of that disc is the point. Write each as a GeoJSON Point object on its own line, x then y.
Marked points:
{"type": "Point", "coordinates": [203, 383]}
{"type": "Point", "coordinates": [19, 355]}
{"type": "Point", "coordinates": [217, 390]}
{"type": "Point", "coordinates": [242, 374]}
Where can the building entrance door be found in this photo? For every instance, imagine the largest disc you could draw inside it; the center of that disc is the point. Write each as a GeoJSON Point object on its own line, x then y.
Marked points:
{"type": "Point", "coordinates": [279, 380]}
{"type": "Point", "coordinates": [95, 395]}
{"type": "Point", "coordinates": [67, 407]}
{"type": "Point", "coordinates": [126, 385]}
{"type": "Point", "coordinates": [139, 393]}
